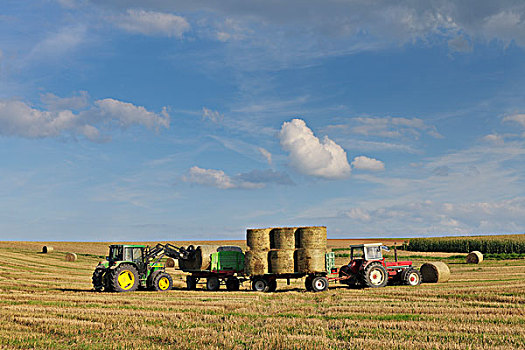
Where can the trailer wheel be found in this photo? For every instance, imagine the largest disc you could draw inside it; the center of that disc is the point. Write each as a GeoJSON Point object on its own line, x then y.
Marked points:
{"type": "Point", "coordinates": [272, 286]}
{"type": "Point", "coordinates": [162, 282]}
{"type": "Point", "coordinates": [374, 275]}
{"type": "Point", "coordinates": [411, 276]}
{"type": "Point", "coordinates": [260, 285]}
{"type": "Point", "coordinates": [191, 283]}
{"type": "Point", "coordinates": [213, 284]}
{"type": "Point", "coordinates": [98, 279]}
{"type": "Point", "coordinates": [232, 283]}
{"type": "Point", "coordinates": [319, 284]}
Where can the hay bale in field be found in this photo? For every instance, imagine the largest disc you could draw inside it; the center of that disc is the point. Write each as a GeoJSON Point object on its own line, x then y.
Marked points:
{"type": "Point", "coordinates": [71, 257]}
{"type": "Point", "coordinates": [256, 262]}
{"type": "Point", "coordinates": [170, 262]}
{"type": "Point", "coordinates": [200, 259]}
{"type": "Point", "coordinates": [47, 249]}
{"type": "Point", "coordinates": [258, 238]}
{"type": "Point", "coordinates": [435, 272]}
{"type": "Point", "coordinates": [310, 260]}
{"type": "Point", "coordinates": [282, 238]}
{"type": "Point", "coordinates": [474, 257]}
{"type": "Point", "coordinates": [281, 261]}
{"type": "Point", "coordinates": [312, 237]}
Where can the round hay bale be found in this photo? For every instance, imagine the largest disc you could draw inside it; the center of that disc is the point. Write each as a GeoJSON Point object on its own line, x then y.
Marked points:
{"type": "Point", "coordinates": [47, 249]}
{"type": "Point", "coordinates": [310, 260]}
{"type": "Point", "coordinates": [256, 262]}
{"type": "Point", "coordinates": [312, 237]}
{"type": "Point", "coordinates": [435, 272]}
{"type": "Point", "coordinates": [474, 257]}
{"type": "Point", "coordinates": [281, 261]}
{"type": "Point", "coordinates": [71, 257]}
{"type": "Point", "coordinates": [200, 259]}
{"type": "Point", "coordinates": [170, 262]}
{"type": "Point", "coordinates": [282, 238]}
{"type": "Point", "coordinates": [258, 238]}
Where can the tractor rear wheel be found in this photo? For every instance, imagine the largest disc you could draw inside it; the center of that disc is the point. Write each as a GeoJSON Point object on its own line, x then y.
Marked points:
{"type": "Point", "coordinates": [374, 275]}
{"type": "Point", "coordinates": [319, 284]}
{"type": "Point", "coordinates": [162, 282]}
{"type": "Point", "coordinates": [124, 278]}
{"type": "Point", "coordinates": [411, 276]}
{"type": "Point", "coordinates": [191, 283]}
{"type": "Point", "coordinates": [98, 279]}
{"type": "Point", "coordinates": [232, 283]}
{"type": "Point", "coordinates": [260, 285]}
{"type": "Point", "coordinates": [213, 284]}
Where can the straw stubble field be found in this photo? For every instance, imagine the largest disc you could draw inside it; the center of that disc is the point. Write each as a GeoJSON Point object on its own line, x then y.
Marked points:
{"type": "Point", "coordinates": [47, 302]}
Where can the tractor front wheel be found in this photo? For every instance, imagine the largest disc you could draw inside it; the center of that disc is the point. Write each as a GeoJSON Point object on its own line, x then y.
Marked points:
{"type": "Point", "coordinates": [162, 282]}
{"type": "Point", "coordinates": [412, 277]}
{"type": "Point", "coordinates": [124, 278]}
{"type": "Point", "coordinates": [213, 284]}
{"type": "Point", "coordinates": [375, 275]}
{"type": "Point", "coordinates": [98, 279]}
{"type": "Point", "coordinates": [319, 284]}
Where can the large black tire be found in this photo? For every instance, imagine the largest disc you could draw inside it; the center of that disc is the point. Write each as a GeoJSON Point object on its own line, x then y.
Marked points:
{"type": "Point", "coordinates": [319, 284]}
{"type": "Point", "coordinates": [162, 282]}
{"type": "Point", "coordinates": [124, 278]}
{"type": "Point", "coordinates": [374, 275]}
{"type": "Point", "coordinates": [213, 284]}
{"type": "Point", "coordinates": [260, 285]}
{"type": "Point", "coordinates": [272, 286]}
{"type": "Point", "coordinates": [232, 283]}
{"type": "Point", "coordinates": [348, 275]}
{"type": "Point", "coordinates": [191, 283]}
{"type": "Point", "coordinates": [411, 277]}
{"type": "Point", "coordinates": [151, 279]}
{"type": "Point", "coordinates": [98, 279]}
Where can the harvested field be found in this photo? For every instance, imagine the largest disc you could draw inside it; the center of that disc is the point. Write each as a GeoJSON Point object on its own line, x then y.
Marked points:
{"type": "Point", "coordinates": [47, 302]}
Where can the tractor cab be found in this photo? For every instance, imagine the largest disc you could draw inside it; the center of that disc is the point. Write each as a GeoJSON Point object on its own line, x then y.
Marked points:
{"type": "Point", "coordinates": [131, 253]}
{"type": "Point", "coordinates": [371, 251]}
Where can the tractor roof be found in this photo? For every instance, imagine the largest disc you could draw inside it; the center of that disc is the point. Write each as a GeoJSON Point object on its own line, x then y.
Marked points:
{"type": "Point", "coordinates": [128, 245]}
{"type": "Point", "coordinates": [366, 245]}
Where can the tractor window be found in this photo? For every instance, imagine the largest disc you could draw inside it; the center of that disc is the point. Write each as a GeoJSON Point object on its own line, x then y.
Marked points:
{"type": "Point", "coordinates": [127, 254]}
{"type": "Point", "coordinates": [373, 253]}
{"type": "Point", "coordinates": [357, 253]}
{"type": "Point", "coordinates": [137, 254]}
{"type": "Point", "coordinates": [115, 254]}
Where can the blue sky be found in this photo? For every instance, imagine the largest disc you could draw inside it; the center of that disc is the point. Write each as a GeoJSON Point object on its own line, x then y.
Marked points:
{"type": "Point", "coordinates": [177, 120]}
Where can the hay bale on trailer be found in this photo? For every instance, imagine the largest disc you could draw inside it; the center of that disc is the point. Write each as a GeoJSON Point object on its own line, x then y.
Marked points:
{"type": "Point", "coordinates": [47, 249]}
{"type": "Point", "coordinates": [281, 261]}
{"type": "Point", "coordinates": [258, 238]}
{"type": "Point", "coordinates": [200, 259]}
{"type": "Point", "coordinates": [312, 237]}
{"type": "Point", "coordinates": [170, 262]}
{"type": "Point", "coordinates": [256, 262]}
{"type": "Point", "coordinates": [310, 260]}
{"type": "Point", "coordinates": [474, 257]}
{"type": "Point", "coordinates": [435, 272]}
{"type": "Point", "coordinates": [282, 238]}
{"type": "Point", "coordinates": [71, 257]}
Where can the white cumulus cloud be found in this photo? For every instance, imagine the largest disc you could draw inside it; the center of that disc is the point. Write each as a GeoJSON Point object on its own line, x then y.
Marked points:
{"type": "Point", "coordinates": [365, 163]}
{"type": "Point", "coordinates": [311, 156]}
{"type": "Point", "coordinates": [153, 23]}
{"type": "Point", "coordinates": [209, 177]}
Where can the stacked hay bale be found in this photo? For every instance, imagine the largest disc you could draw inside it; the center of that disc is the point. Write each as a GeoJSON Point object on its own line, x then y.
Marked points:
{"type": "Point", "coordinates": [47, 249]}
{"type": "Point", "coordinates": [256, 257]}
{"type": "Point", "coordinates": [285, 250]}
{"type": "Point", "coordinates": [435, 272]}
{"type": "Point", "coordinates": [474, 257]}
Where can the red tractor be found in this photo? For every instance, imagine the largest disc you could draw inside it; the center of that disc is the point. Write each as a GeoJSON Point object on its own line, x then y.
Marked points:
{"type": "Point", "coordinates": [368, 268]}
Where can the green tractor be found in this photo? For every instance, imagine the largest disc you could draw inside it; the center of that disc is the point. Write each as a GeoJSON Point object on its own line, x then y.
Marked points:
{"type": "Point", "coordinates": [129, 267]}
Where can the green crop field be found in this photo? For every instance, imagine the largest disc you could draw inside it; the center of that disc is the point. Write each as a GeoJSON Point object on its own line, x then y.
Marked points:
{"type": "Point", "coordinates": [46, 302]}
{"type": "Point", "coordinates": [499, 244]}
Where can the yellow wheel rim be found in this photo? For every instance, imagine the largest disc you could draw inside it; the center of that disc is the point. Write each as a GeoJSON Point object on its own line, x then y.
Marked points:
{"type": "Point", "coordinates": [126, 279]}
{"type": "Point", "coordinates": [164, 283]}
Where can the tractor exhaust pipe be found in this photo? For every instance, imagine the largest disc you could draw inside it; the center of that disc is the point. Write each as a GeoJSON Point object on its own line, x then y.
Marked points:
{"type": "Point", "coordinates": [395, 251]}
